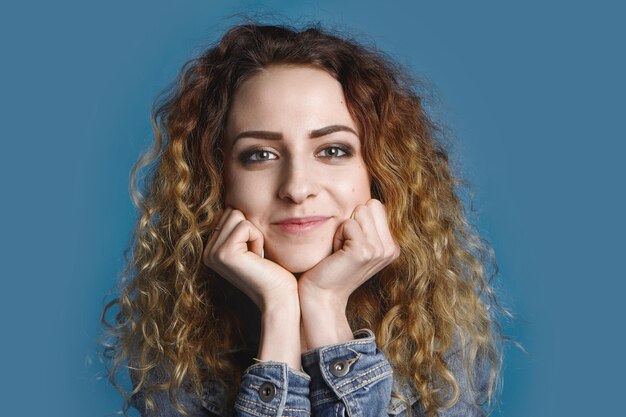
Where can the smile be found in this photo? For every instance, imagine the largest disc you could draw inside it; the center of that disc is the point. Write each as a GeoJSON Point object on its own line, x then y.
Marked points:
{"type": "Point", "coordinates": [298, 225]}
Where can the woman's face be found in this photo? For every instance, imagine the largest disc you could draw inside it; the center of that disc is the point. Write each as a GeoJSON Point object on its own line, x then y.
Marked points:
{"type": "Point", "coordinates": [293, 162]}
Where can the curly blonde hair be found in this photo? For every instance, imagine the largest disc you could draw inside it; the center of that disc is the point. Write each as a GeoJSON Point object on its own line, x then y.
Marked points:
{"type": "Point", "coordinates": [175, 320]}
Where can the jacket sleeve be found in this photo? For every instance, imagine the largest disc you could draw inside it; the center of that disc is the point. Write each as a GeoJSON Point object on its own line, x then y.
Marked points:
{"type": "Point", "coordinates": [355, 379]}
{"type": "Point", "coordinates": [267, 389]}
{"type": "Point", "coordinates": [351, 378]}
{"type": "Point", "coordinates": [271, 389]}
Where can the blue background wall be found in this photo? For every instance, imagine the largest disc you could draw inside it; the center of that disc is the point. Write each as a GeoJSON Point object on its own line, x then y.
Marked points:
{"type": "Point", "coordinates": [533, 91]}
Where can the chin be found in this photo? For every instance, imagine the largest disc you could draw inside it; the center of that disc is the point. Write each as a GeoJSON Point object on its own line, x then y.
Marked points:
{"type": "Point", "coordinates": [296, 262]}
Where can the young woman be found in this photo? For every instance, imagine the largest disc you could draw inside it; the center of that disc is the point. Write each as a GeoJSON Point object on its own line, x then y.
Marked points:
{"type": "Point", "coordinates": [301, 248]}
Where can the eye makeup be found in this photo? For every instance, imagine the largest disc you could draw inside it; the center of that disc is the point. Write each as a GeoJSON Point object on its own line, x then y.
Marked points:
{"type": "Point", "coordinates": [336, 151]}
{"type": "Point", "coordinates": [256, 155]}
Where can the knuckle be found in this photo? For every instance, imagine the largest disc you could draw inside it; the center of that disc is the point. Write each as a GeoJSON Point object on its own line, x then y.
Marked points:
{"type": "Point", "coordinates": [378, 252]}
{"type": "Point", "coordinates": [360, 209]}
{"type": "Point", "coordinates": [391, 252]}
{"type": "Point", "coordinates": [366, 252]}
{"type": "Point", "coordinates": [396, 252]}
{"type": "Point", "coordinates": [221, 256]}
{"type": "Point", "coordinates": [375, 203]}
{"type": "Point", "coordinates": [237, 215]}
{"type": "Point", "coordinates": [206, 260]}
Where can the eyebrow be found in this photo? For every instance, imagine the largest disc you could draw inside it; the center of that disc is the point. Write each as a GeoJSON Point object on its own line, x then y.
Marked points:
{"type": "Point", "coordinates": [317, 133]}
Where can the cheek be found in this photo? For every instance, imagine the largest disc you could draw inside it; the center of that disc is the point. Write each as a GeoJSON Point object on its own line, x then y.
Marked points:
{"type": "Point", "coordinates": [362, 193]}
{"type": "Point", "coordinates": [247, 194]}
{"type": "Point", "coordinates": [236, 185]}
{"type": "Point", "coordinates": [355, 189]}
{"type": "Point", "coordinates": [362, 185]}
{"type": "Point", "coordinates": [239, 197]}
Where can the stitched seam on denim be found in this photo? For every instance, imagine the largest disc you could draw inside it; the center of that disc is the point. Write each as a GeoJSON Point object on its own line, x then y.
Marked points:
{"type": "Point", "coordinates": [299, 411]}
{"type": "Point", "coordinates": [362, 374]}
{"type": "Point", "coordinates": [324, 394]}
{"type": "Point", "coordinates": [254, 386]}
{"type": "Point", "coordinates": [268, 408]}
{"type": "Point", "coordinates": [251, 411]}
{"type": "Point", "coordinates": [351, 343]}
{"type": "Point", "coordinates": [262, 365]}
{"type": "Point", "coordinates": [397, 406]}
{"type": "Point", "coordinates": [394, 407]}
{"type": "Point", "coordinates": [321, 396]}
{"type": "Point", "coordinates": [367, 381]}
{"type": "Point", "coordinates": [379, 376]}
{"type": "Point", "coordinates": [304, 410]}
{"type": "Point", "coordinates": [357, 405]}
{"type": "Point", "coordinates": [408, 391]}
{"type": "Point", "coordinates": [322, 391]}
{"type": "Point", "coordinates": [352, 411]}
{"type": "Point", "coordinates": [211, 407]}
{"type": "Point", "coordinates": [302, 375]}
{"type": "Point", "coordinates": [368, 339]}
{"type": "Point", "coordinates": [315, 404]}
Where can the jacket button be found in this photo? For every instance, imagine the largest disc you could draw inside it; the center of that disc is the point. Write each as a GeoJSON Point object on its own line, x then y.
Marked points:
{"type": "Point", "coordinates": [339, 367]}
{"type": "Point", "coordinates": [267, 392]}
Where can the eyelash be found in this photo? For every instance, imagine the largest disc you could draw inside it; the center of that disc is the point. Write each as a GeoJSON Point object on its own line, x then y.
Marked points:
{"type": "Point", "coordinates": [246, 157]}
{"type": "Point", "coordinates": [347, 152]}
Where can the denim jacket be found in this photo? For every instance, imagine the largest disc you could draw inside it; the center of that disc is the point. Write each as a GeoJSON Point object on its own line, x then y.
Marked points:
{"type": "Point", "coordinates": [351, 378]}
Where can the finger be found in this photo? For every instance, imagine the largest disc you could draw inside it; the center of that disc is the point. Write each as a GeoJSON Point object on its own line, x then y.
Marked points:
{"type": "Point", "coordinates": [255, 240]}
{"type": "Point", "coordinates": [225, 213]}
{"type": "Point", "coordinates": [352, 233]}
{"type": "Point", "coordinates": [379, 216]}
{"type": "Point", "coordinates": [338, 238]}
{"type": "Point", "coordinates": [233, 218]}
{"type": "Point", "coordinates": [214, 233]}
{"type": "Point", "coordinates": [379, 213]}
{"type": "Point", "coordinates": [220, 224]}
{"type": "Point", "coordinates": [245, 237]}
{"type": "Point", "coordinates": [364, 217]}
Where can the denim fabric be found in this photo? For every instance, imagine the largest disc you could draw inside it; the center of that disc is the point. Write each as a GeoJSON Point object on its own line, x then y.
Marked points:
{"type": "Point", "coordinates": [363, 391]}
{"type": "Point", "coordinates": [351, 379]}
{"type": "Point", "coordinates": [287, 391]}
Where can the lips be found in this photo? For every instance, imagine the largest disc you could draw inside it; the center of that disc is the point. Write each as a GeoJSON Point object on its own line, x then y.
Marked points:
{"type": "Point", "coordinates": [301, 224]}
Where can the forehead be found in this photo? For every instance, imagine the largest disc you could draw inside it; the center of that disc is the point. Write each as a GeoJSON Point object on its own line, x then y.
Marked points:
{"type": "Point", "coordinates": [283, 97]}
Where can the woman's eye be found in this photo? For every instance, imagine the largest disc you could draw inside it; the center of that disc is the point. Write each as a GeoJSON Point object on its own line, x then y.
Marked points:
{"type": "Point", "coordinates": [258, 156]}
{"type": "Point", "coordinates": [334, 152]}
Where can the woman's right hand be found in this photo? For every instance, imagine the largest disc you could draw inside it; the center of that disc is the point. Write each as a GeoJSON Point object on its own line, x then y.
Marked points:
{"type": "Point", "coordinates": [235, 251]}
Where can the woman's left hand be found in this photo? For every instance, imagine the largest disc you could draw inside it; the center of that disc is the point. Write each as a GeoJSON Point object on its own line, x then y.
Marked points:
{"type": "Point", "coordinates": [362, 246]}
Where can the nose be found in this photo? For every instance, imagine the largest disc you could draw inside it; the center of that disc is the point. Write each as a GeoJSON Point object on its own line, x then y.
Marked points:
{"type": "Point", "coordinates": [298, 182]}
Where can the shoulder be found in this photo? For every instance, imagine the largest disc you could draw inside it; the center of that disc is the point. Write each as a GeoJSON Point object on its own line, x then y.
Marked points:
{"type": "Point", "coordinates": [472, 377]}
{"type": "Point", "coordinates": [471, 370]}
{"type": "Point", "coordinates": [210, 403]}
{"type": "Point", "coordinates": [403, 394]}
{"type": "Point", "coordinates": [214, 398]}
